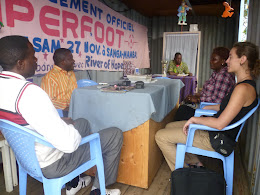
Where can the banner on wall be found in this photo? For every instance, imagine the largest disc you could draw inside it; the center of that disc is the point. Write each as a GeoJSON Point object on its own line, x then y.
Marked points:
{"type": "Point", "coordinates": [98, 37]}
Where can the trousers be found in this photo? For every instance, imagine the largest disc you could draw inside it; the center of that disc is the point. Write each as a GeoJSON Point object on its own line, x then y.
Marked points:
{"type": "Point", "coordinates": [168, 138]}
{"type": "Point", "coordinates": [111, 140]}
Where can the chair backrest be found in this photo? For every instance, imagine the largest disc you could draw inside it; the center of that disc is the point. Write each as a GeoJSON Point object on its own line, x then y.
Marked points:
{"type": "Point", "coordinates": [22, 141]}
{"type": "Point", "coordinates": [85, 82]}
{"type": "Point", "coordinates": [60, 111]}
{"type": "Point", "coordinates": [162, 78]}
{"type": "Point", "coordinates": [242, 121]}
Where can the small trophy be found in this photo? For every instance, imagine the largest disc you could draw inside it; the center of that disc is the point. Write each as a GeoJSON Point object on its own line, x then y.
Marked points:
{"type": "Point", "coordinates": [164, 63]}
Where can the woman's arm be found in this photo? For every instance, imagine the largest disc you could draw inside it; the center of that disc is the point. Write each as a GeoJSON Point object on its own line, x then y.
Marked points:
{"type": "Point", "coordinates": [241, 97]}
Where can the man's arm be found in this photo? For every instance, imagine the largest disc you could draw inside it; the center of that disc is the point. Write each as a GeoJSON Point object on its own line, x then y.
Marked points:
{"type": "Point", "coordinates": [172, 68]}
{"type": "Point", "coordinates": [37, 109]}
{"type": "Point", "coordinates": [52, 88]}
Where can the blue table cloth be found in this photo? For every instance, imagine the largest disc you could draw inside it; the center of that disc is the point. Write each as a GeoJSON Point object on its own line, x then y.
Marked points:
{"type": "Point", "coordinates": [125, 110]}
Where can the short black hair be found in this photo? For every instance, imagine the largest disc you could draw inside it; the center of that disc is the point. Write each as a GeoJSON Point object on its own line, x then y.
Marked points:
{"type": "Point", "coordinates": [222, 52]}
{"type": "Point", "coordinates": [59, 55]}
{"type": "Point", "coordinates": [178, 53]}
{"type": "Point", "coordinates": [12, 49]}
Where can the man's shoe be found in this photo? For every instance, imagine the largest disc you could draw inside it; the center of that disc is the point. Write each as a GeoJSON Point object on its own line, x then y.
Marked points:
{"type": "Point", "coordinates": [108, 192]}
{"type": "Point", "coordinates": [83, 182]}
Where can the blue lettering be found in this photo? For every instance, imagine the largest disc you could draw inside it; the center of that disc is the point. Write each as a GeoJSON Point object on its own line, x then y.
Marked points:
{"type": "Point", "coordinates": [75, 4]}
{"type": "Point", "coordinates": [108, 18]}
{"type": "Point", "coordinates": [37, 45]}
{"type": "Point", "coordinates": [93, 10]}
{"type": "Point", "coordinates": [54, 46]}
{"type": "Point", "coordinates": [45, 46]}
{"type": "Point", "coordinates": [63, 3]}
{"type": "Point", "coordinates": [85, 6]}
{"type": "Point", "coordinates": [53, 1]}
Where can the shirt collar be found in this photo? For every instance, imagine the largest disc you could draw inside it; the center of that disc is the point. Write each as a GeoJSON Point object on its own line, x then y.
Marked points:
{"type": "Point", "coordinates": [13, 75]}
{"type": "Point", "coordinates": [62, 71]}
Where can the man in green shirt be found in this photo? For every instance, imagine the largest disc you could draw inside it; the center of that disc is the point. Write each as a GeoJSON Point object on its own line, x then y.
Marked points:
{"type": "Point", "coordinates": [176, 66]}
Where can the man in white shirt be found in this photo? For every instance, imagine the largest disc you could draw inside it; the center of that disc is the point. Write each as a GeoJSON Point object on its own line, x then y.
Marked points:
{"type": "Point", "coordinates": [27, 104]}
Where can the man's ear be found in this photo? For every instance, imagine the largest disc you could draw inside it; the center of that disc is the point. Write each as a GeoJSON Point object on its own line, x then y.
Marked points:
{"type": "Point", "coordinates": [20, 65]}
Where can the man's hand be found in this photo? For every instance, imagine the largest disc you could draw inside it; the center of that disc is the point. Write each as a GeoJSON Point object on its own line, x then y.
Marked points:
{"type": "Point", "coordinates": [67, 120]}
{"type": "Point", "coordinates": [172, 73]}
{"type": "Point", "coordinates": [67, 108]}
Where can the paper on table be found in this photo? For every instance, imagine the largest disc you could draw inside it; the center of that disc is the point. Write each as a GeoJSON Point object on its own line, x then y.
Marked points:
{"type": "Point", "coordinates": [182, 75]}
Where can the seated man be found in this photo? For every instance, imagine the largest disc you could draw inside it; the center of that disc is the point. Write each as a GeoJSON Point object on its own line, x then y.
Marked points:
{"type": "Point", "coordinates": [176, 66]}
{"type": "Point", "coordinates": [59, 82]}
{"type": "Point", "coordinates": [27, 104]}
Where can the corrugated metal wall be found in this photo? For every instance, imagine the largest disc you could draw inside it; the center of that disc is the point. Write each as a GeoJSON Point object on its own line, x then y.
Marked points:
{"type": "Point", "coordinates": [250, 139]}
{"type": "Point", "coordinates": [215, 31]}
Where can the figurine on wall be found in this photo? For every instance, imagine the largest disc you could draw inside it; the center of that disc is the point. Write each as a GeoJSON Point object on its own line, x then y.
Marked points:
{"type": "Point", "coordinates": [183, 8]}
{"type": "Point", "coordinates": [1, 25]}
{"type": "Point", "coordinates": [227, 12]}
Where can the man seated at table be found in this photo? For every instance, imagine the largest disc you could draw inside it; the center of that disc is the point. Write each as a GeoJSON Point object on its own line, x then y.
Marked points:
{"type": "Point", "coordinates": [59, 82]}
{"type": "Point", "coordinates": [27, 104]}
{"type": "Point", "coordinates": [177, 66]}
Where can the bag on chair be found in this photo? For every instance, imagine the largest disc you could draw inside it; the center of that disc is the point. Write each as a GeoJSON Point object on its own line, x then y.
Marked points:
{"type": "Point", "coordinates": [197, 181]}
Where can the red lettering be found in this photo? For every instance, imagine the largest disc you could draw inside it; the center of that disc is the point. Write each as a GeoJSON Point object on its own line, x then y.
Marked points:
{"type": "Point", "coordinates": [101, 27]}
{"type": "Point", "coordinates": [120, 33]}
{"type": "Point", "coordinates": [50, 21]}
{"type": "Point", "coordinates": [69, 25]}
{"type": "Point", "coordinates": [85, 27]}
{"type": "Point", "coordinates": [12, 15]}
{"type": "Point", "coordinates": [110, 29]}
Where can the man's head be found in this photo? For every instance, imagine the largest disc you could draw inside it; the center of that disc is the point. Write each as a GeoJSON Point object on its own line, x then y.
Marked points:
{"type": "Point", "coordinates": [177, 58]}
{"type": "Point", "coordinates": [17, 55]}
{"type": "Point", "coordinates": [64, 59]}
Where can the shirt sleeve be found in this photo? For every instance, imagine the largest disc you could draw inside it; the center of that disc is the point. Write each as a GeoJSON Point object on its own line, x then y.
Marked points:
{"type": "Point", "coordinates": [185, 68]}
{"type": "Point", "coordinates": [39, 112]}
{"type": "Point", "coordinates": [223, 84]}
{"type": "Point", "coordinates": [171, 67]}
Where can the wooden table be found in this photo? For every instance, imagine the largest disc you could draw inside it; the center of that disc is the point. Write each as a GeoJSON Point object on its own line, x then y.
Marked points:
{"type": "Point", "coordinates": [139, 114]}
{"type": "Point", "coordinates": [141, 158]}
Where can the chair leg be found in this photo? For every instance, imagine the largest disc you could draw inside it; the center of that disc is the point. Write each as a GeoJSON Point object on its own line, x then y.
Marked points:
{"type": "Point", "coordinates": [229, 172]}
{"type": "Point", "coordinates": [7, 168]}
{"type": "Point", "coordinates": [51, 188]}
{"type": "Point", "coordinates": [180, 156]}
{"type": "Point", "coordinates": [22, 181]}
{"type": "Point", "coordinates": [101, 178]}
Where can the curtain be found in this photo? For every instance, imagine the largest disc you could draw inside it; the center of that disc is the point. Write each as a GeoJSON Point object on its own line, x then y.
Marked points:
{"type": "Point", "coordinates": [184, 43]}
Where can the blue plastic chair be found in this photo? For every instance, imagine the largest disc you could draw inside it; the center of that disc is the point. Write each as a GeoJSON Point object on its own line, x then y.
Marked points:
{"type": "Point", "coordinates": [60, 111]}
{"type": "Point", "coordinates": [22, 141]}
{"type": "Point", "coordinates": [162, 78]}
{"type": "Point", "coordinates": [200, 111]}
{"type": "Point", "coordinates": [85, 82]}
{"type": "Point", "coordinates": [228, 162]}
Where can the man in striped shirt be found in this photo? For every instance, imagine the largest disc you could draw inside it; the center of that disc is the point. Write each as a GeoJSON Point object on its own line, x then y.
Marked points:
{"type": "Point", "coordinates": [59, 82]}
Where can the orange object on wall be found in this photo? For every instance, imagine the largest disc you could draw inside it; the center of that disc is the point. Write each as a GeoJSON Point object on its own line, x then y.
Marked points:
{"type": "Point", "coordinates": [227, 12]}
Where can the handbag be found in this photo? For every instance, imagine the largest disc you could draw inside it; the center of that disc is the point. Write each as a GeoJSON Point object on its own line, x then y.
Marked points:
{"type": "Point", "coordinates": [197, 181]}
{"type": "Point", "coordinates": [222, 144]}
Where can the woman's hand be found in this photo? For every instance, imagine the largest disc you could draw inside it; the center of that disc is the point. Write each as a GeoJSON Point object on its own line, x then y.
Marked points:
{"type": "Point", "coordinates": [192, 99]}
{"type": "Point", "coordinates": [186, 126]}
